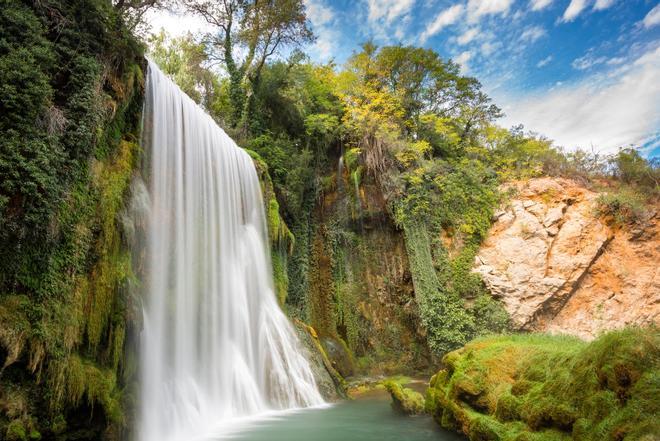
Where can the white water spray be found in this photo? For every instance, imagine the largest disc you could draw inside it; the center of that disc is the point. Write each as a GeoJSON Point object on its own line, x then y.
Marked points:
{"type": "Point", "coordinates": [215, 344]}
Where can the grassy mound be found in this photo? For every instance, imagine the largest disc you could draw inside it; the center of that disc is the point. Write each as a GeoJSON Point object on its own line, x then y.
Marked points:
{"type": "Point", "coordinates": [541, 387]}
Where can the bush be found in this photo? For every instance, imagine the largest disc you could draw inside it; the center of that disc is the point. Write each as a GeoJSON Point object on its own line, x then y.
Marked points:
{"type": "Point", "coordinates": [623, 206]}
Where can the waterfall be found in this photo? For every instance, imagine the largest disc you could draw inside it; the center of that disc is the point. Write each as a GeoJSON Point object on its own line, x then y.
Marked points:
{"type": "Point", "coordinates": [215, 344]}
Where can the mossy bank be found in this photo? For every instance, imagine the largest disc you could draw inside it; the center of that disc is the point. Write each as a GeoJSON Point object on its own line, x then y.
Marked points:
{"type": "Point", "coordinates": [542, 387]}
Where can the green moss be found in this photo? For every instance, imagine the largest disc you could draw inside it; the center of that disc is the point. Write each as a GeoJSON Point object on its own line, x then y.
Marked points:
{"type": "Point", "coordinates": [35, 434]}
{"type": "Point", "coordinates": [298, 271]}
{"type": "Point", "coordinates": [280, 275]}
{"type": "Point", "coordinates": [347, 262]}
{"type": "Point", "coordinates": [484, 429]}
{"type": "Point", "coordinates": [281, 239]}
{"type": "Point", "coordinates": [404, 400]}
{"type": "Point", "coordinates": [508, 408]}
{"type": "Point", "coordinates": [58, 424]}
{"type": "Point", "coordinates": [539, 387]}
{"type": "Point", "coordinates": [16, 431]}
{"type": "Point", "coordinates": [113, 269]}
{"type": "Point", "coordinates": [74, 379]}
{"type": "Point", "coordinates": [321, 305]}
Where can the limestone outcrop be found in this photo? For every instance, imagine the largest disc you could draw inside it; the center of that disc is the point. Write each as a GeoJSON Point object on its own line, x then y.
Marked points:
{"type": "Point", "coordinates": [557, 266]}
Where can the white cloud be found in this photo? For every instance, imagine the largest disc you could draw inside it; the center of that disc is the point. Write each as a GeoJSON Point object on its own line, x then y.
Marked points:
{"type": "Point", "coordinates": [176, 25]}
{"type": "Point", "coordinates": [606, 113]}
{"type": "Point", "coordinates": [652, 18]}
{"type": "Point", "coordinates": [445, 18]}
{"type": "Point", "coordinates": [544, 62]}
{"type": "Point", "coordinates": [322, 17]}
{"type": "Point", "coordinates": [463, 58]}
{"type": "Point", "coordinates": [538, 5]}
{"type": "Point", "coordinates": [324, 48]}
{"type": "Point", "coordinates": [587, 61]}
{"type": "Point", "coordinates": [532, 34]}
{"type": "Point", "coordinates": [574, 9]}
{"type": "Point", "coordinates": [603, 4]}
{"type": "Point", "coordinates": [616, 61]}
{"type": "Point", "coordinates": [318, 13]}
{"type": "Point", "coordinates": [477, 8]}
{"type": "Point", "coordinates": [388, 10]}
{"type": "Point", "coordinates": [468, 36]}
{"type": "Point", "coordinates": [324, 45]}
{"type": "Point", "coordinates": [489, 47]}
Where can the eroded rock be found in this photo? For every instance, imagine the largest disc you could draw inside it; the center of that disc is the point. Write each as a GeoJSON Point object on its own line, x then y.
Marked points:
{"type": "Point", "coordinates": [556, 266]}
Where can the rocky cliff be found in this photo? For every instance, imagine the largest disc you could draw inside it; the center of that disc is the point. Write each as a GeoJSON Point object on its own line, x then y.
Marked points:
{"type": "Point", "coordinates": [558, 267]}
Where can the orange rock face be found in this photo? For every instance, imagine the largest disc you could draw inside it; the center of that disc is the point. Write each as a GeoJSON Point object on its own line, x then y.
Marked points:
{"type": "Point", "coordinates": [557, 267]}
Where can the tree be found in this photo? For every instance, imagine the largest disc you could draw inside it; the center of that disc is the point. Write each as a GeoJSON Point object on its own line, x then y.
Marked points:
{"type": "Point", "coordinates": [398, 94]}
{"type": "Point", "coordinates": [424, 82]}
{"type": "Point", "coordinates": [475, 112]}
{"type": "Point", "coordinates": [633, 169]}
{"type": "Point", "coordinates": [374, 115]}
{"type": "Point", "coordinates": [256, 28]}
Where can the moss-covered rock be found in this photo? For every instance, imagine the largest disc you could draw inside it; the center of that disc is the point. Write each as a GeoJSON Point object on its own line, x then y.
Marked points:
{"type": "Point", "coordinates": [339, 355]}
{"type": "Point", "coordinates": [280, 237]}
{"type": "Point", "coordinates": [541, 387]}
{"type": "Point", "coordinates": [405, 400]}
{"type": "Point", "coordinates": [330, 382]}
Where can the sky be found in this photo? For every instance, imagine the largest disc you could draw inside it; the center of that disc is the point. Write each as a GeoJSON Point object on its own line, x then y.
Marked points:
{"type": "Point", "coordinates": [585, 73]}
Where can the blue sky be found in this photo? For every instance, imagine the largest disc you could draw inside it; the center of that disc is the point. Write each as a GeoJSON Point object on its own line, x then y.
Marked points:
{"type": "Point", "coordinates": [585, 73]}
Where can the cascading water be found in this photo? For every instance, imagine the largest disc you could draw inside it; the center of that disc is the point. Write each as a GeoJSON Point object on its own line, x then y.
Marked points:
{"type": "Point", "coordinates": [215, 344]}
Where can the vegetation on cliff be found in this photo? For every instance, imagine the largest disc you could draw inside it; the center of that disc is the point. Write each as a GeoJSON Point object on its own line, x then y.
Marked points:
{"type": "Point", "coordinates": [542, 387]}
{"type": "Point", "coordinates": [69, 116]}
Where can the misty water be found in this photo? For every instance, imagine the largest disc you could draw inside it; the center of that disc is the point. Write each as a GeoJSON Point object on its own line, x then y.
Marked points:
{"type": "Point", "coordinates": [216, 348]}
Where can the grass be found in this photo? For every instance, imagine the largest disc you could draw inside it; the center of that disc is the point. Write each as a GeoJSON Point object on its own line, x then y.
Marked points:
{"type": "Point", "coordinates": [541, 387]}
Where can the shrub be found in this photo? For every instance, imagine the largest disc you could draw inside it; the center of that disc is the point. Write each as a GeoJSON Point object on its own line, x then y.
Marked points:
{"type": "Point", "coordinates": [623, 206]}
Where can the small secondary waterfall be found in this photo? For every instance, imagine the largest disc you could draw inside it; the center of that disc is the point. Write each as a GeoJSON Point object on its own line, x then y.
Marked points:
{"type": "Point", "coordinates": [215, 344]}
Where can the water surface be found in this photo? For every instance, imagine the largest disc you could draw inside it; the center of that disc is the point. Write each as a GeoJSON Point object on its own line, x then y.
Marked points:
{"type": "Point", "coordinates": [365, 419]}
